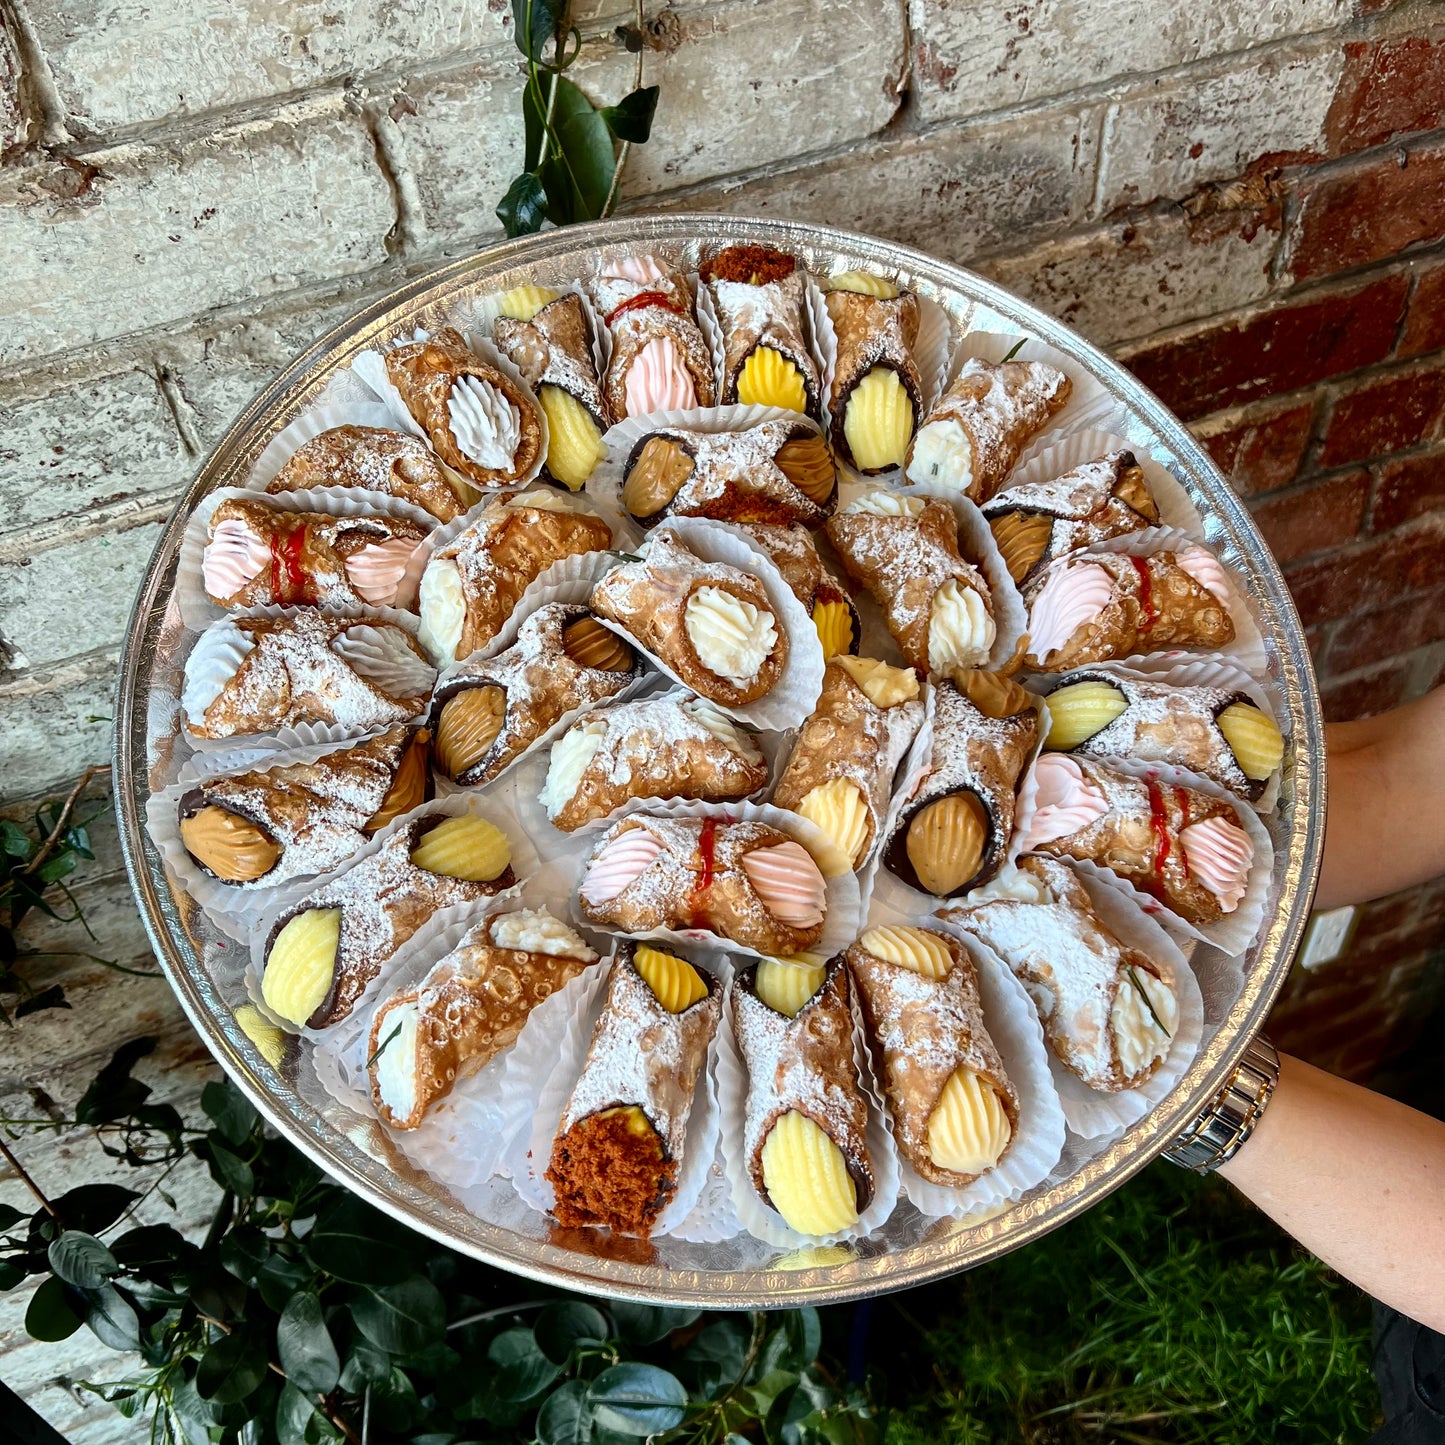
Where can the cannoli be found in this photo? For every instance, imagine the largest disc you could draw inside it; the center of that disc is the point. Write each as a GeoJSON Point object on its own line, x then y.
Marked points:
{"type": "Point", "coordinates": [259, 674]}
{"type": "Point", "coordinates": [471, 585]}
{"type": "Point", "coordinates": [323, 951]}
{"type": "Point", "coordinates": [1041, 521]}
{"type": "Point", "coordinates": [676, 746]}
{"type": "Point", "coordinates": [1091, 608]}
{"type": "Point", "coordinates": [710, 623]}
{"type": "Point", "coordinates": [1108, 1010]}
{"type": "Point", "coordinates": [659, 360]}
{"type": "Point", "coordinates": [876, 399]}
{"type": "Point", "coordinates": [840, 772]}
{"type": "Point", "coordinates": [258, 555]}
{"type": "Point", "coordinates": [472, 1004]}
{"type": "Point", "coordinates": [376, 459]}
{"type": "Point", "coordinates": [267, 825]}
{"type": "Point", "coordinates": [1216, 731]}
{"type": "Point", "coordinates": [904, 550]}
{"type": "Point", "coordinates": [488, 713]}
{"type": "Point", "coordinates": [806, 1119]}
{"type": "Point", "coordinates": [955, 1112]}
{"type": "Point", "coordinates": [777, 471]}
{"type": "Point", "coordinates": [977, 430]}
{"type": "Point", "coordinates": [758, 294]}
{"type": "Point", "coordinates": [619, 1146]}
{"type": "Point", "coordinates": [548, 338]}
{"type": "Point", "coordinates": [793, 551]}
{"type": "Point", "coordinates": [746, 882]}
{"type": "Point", "coordinates": [952, 831]}
{"type": "Point", "coordinates": [1183, 847]}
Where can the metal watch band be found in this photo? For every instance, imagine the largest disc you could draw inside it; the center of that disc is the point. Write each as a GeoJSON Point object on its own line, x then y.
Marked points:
{"type": "Point", "coordinates": [1219, 1133]}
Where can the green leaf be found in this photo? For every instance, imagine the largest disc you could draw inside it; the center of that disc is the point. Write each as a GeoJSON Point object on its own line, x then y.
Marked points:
{"type": "Point", "coordinates": [231, 1368]}
{"type": "Point", "coordinates": [52, 997]}
{"type": "Point", "coordinates": [93, 1207]}
{"type": "Point", "coordinates": [647, 1324]}
{"type": "Point", "coordinates": [9, 1215]}
{"type": "Point", "coordinates": [638, 1399]}
{"type": "Point", "coordinates": [113, 1093]}
{"type": "Point", "coordinates": [565, 1417]}
{"type": "Point", "coordinates": [365, 1365]}
{"type": "Point", "coordinates": [805, 1337]}
{"type": "Point", "coordinates": [232, 1112]}
{"type": "Point", "coordinates": [577, 175]}
{"type": "Point", "coordinates": [14, 840]}
{"type": "Point", "coordinates": [393, 1402]}
{"type": "Point", "coordinates": [353, 1242]}
{"type": "Point", "coordinates": [400, 1318]}
{"type": "Point", "coordinates": [11, 1273]}
{"type": "Point", "coordinates": [304, 1345]}
{"type": "Point", "coordinates": [52, 1314]}
{"type": "Point", "coordinates": [112, 1318]}
{"type": "Point", "coordinates": [523, 209]}
{"type": "Point", "coordinates": [56, 867]}
{"type": "Point", "coordinates": [523, 1371]}
{"type": "Point", "coordinates": [561, 1327]}
{"type": "Point", "coordinates": [534, 23]}
{"type": "Point", "coordinates": [278, 1278]}
{"type": "Point", "coordinates": [294, 1412]}
{"type": "Point", "coordinates": [227, 1167]}
{"type": "Point", "coordinates": [631, 118]}
{"type": "Point", "coordinates": [720, 1348]}
{"type": "Point", "coordinates": [244, 1251]}
{"type": "Point", "coordinates": [1016, 348]}
{"type": "Point", "coordinates": [82, 1260]}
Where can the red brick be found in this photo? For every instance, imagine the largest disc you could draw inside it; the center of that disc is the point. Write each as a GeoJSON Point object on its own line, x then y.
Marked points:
{"type": "Point", "coordinates": [1289, 347]}
{"type": "Point", "coordinates": [1409, 487]}
{"type": "Point", "coordinates": [1371, 211]}
{"type": "Point", "coordinates": [1401, 627]}
{"type": "Point", "coordinates": [1370, 574]}
{"type": "Point", "coordinates": [1367, 694]}
{"type": "Point", "coordinates": [1425, 321]}
{"type": "Point", "coordinates": [1385, 415]}
{"type": "Point", "coordinates": [1263, 453]}
{"type": "Point", "coordinates": [1388, 88]}
{"type": "Point", "coordinates": [1313, 517]}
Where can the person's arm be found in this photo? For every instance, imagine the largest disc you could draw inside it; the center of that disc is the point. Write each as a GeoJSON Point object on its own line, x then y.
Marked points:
{"type": "Point", "coordinates": [1359, 1180]}
{"type": "Point", "coordinates": [1384, 828]}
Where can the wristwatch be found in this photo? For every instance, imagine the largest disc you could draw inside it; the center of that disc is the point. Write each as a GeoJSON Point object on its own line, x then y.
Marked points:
{"type": "Point", "coordinates": [1218, 1134]}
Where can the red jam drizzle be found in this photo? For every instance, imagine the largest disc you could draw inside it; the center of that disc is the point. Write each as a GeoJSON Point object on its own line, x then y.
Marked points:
{"type": "Point", "coordinates": [1159, 816]}
{"type": "Point", "coordinates": [707, 849]}
{"type": "Point", "coordinates": [289, 581]}
{"type": "Point", "coordinates": [1146, 593]}
{"type": "Point", "coordinates": [640, 302]}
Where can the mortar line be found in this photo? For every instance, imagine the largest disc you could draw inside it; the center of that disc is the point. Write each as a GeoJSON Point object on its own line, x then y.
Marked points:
{"type": "Point", "coordinates": [179, 409]}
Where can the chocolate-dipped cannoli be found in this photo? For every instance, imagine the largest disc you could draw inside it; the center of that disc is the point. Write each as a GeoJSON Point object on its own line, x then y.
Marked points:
{"type": "Point", "coordinates": [904, 550]}
{"type": "Point", "coordinates": [488, 713]}
{"type": "Point", "coordinates": [675, 746]}
{"type": "Point", "coordinates": [619, 1146]}
{"type": "Point", "coordinates": [471, 585]}
{"type": "Point", "coordinates": [758, 294]}
{"type": "Point", "coordinates": [476, 417]}
{"type": "Point", "coordinates": [806, 1119]}
{"type": "Point", "coordinates": [1108, 1011]}
{"type": "Point", "coordinates": [876, 400]}
{"type": "Point", "coordinates": [547, 337]}
{"type": "Point", "coordinates": [840, 772]}
{"type": "Point", "coordinates": [777, 471]}
{"type": "Point", "coordinates": [472, 1004]}
{"type": "Point", "coordinates": [1041, 521]}
{"type": "Point", "coordinates": [953, 830]}
{"type": "Point", "coordinates": [1102, 605]}
{"type": "Point", "coordinates": [260, 674]}
{"type": "Point", "coordinates": [955, 1112]}
{"type": "Point", "coordinates": [258, 555]}
{"type": "Point", "coordinates": [977, 430]}
{"type": "Point", "coordinates": [747, 882]}
{"type": "Point", "coordinates": [659, 360]}
{"type": "Point", "coordinates": [1216, 731]}
{"type": "Point", "coordinates": [324, 950]}
{"type": "Point", "coordinates": [709, 622]}
{"type": "Point", "coordinates": [1183, 847]}
{"type": "Point", "coordinates": [376, 459]}
{"type": "Point", "coordinates": [270, 824]}
{"type": "Point", "coordinates": [794, 552]}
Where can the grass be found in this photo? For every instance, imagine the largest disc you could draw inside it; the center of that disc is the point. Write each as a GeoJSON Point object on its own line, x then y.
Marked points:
{"type": "Point", "coordinates": [1172, 1312]}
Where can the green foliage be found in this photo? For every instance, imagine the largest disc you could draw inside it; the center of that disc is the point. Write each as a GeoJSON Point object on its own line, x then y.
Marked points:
{"type": "Point", "coordinates": [572, 165]}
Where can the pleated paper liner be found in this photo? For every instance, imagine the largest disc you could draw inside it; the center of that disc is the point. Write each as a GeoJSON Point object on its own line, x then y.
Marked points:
{"type": "Point", "coordinates": [524, 865]}
{"type": "Point", "coordinates": [793, 696]}
{"type": "Point", "coordinates": [1095, 1113]}
{"type": "Point", "coordinates": [477, 315]}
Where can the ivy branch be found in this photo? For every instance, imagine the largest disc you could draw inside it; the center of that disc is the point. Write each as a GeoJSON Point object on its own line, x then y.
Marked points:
{"type": "Point", "coordinates": [573, 161]}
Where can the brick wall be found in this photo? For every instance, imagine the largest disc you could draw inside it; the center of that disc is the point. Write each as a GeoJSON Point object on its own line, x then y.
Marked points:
{"type": "Point", "coordinates": [1245, 201]}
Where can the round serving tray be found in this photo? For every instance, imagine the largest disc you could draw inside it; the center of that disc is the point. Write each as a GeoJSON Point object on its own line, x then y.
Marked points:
{"type": "Point", "coordinates": [742, 1272]}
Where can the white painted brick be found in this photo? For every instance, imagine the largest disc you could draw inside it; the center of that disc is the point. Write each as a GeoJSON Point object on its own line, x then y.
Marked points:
{"type": "Point", "coordinates": [1125, 281]}
{"type": "Point", "coordinates": [1174, 136]}
{"type": "Point", "coordinates": [974, 56]}
{"type": "Point", "coordinates": [86, 443]}
{"type": "Point", "coordinates": [162, 235]}
{"type": "Point", "coordinates": [953, 193]}
{"type": "Point", "coordinates": [123, 65]}
{"type": "Point", "coordinates": [49, 741]}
